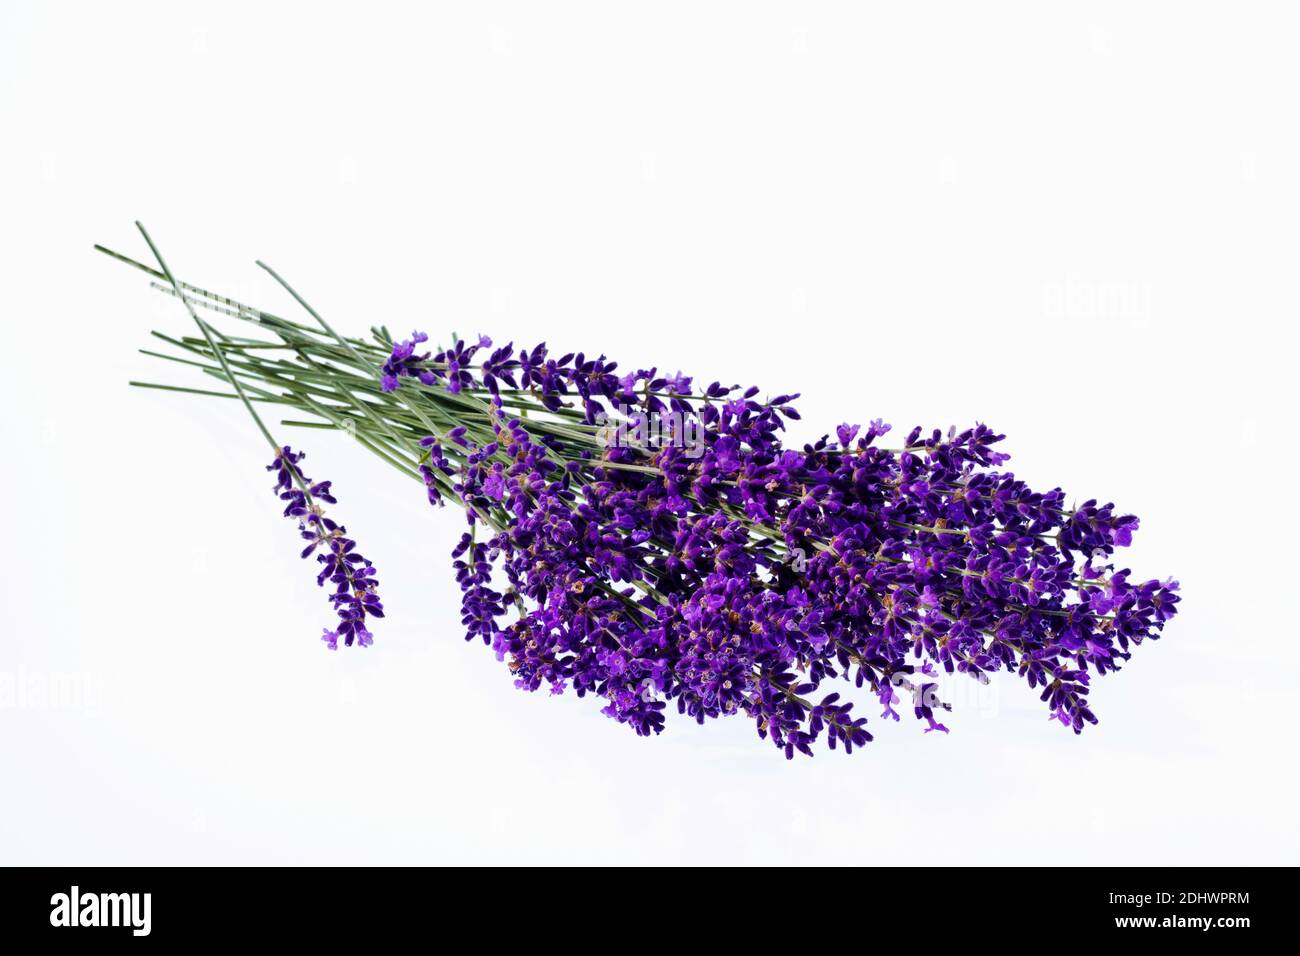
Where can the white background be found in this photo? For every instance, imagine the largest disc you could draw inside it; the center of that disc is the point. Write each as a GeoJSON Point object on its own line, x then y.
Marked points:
{"type": "Point", "coordinates": [1076, 224]}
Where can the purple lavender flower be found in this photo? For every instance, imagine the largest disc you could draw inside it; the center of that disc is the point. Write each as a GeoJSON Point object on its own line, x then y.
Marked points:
{"type": "Point", "coordinates": [404, 362]}
{"type": "Point", "coordinates": [351, 576]}
{"type": "Point", "coordinates": [449, 367]}
{"type": "Point", "coordinates": [742, 580]}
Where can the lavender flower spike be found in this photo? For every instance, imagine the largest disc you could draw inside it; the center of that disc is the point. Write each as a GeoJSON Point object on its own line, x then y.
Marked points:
{"type": "Point", "coordinates": [353, 577]}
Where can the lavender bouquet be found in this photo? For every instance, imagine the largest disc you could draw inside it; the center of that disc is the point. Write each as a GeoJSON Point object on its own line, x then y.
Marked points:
{"type": "Point", "coordinates": [641, 539]}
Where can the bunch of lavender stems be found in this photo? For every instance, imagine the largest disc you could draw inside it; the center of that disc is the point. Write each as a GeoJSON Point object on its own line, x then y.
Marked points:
{"type": "Point", "coordinates": [688, 580]}
{"type": "Point", "coordinates": [335, 378]}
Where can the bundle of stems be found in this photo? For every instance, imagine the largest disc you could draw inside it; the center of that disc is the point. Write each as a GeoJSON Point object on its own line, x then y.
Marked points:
{"type": "Point", "coordinates": [642, 575]}
{"type": "Point", "coordinates": [318, 372]}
